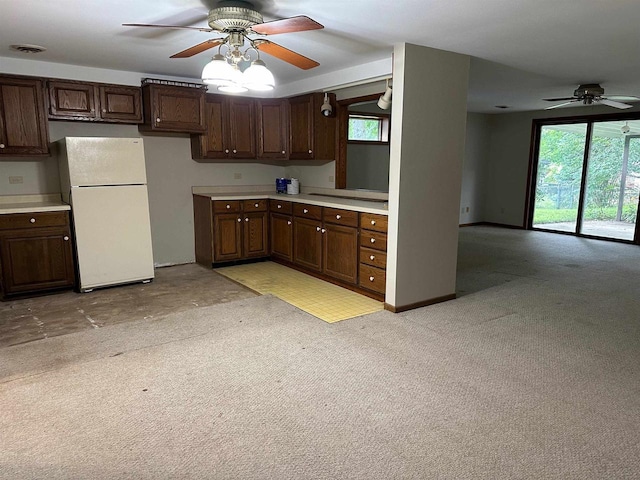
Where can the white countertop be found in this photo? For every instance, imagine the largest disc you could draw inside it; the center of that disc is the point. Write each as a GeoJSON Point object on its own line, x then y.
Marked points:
{"type": "Point", "coordinates": [358, 205]}
{"type": "Point", "coordinates": [31, 204]}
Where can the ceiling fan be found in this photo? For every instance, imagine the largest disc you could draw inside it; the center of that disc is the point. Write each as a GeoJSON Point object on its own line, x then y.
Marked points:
{"type": "Point", "coordinates": [591, 93]}
{"type": "Point", "coordinates": [238, 20]}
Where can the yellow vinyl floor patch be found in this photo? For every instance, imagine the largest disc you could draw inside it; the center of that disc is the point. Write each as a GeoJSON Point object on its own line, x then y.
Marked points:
{"type": "Point", "coordinates": [321, 299]}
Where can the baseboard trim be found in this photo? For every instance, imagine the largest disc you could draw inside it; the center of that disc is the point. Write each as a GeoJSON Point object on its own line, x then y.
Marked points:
{"type": "Point", "coordinates": [424, 303]}
{"type": "Point", "coordinates": [493, 224]}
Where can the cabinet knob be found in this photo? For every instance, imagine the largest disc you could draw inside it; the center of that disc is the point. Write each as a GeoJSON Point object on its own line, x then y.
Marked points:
{"type": "Point", "coordinates": [235, 151]}
{"type": "Point", "coordinates": [104, 110]}
{"type": "Point", "coordinates": [373, 222]}
{"type": "Point", "coordinates": [323, 230]}
{"type": "Point", "coordinates": [338, 217]}
{"type": "Point", "coordinates": [372, 257]}
{"type": "Point", "coordinates": [288, 222]}
{"type": "Point", "coordinates": [372, 278]}
{"type": "Point", "coordinates": [228, 206]}
{"type": "Point", "coordinates": [373, 240]}
{"type": "Point", "coordinates": [256, 205]}
{"type": "Point", "coordinates": [1, 145]}
{"type": "Point", "coordinates": [283, 152]}
{"type": "Point", "coordinates": [317, 229]}
{"type": "Point", "coordinates": [226, 150]}
{"type": "Point", "coordinates": [279, 206]}
{"type": "Point", "coordinates": [239, 219]}
{"type": "Point", "coordinates": [32, 220]}
{"type": "Point", "coordinates": [310, 151]}
{"type": "Point", "coordinates": [158, 120]}
{"type": "Point", "coordinates": [304, 210]}
{"type": "Point", "coordinates": [246, 219]}
{"type": "Point", "coordinates": [65, 238]}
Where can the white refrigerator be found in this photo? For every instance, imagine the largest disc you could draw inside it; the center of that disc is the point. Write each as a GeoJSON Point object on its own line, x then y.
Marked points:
{"type": "Point", "coordinates": [105, 182]}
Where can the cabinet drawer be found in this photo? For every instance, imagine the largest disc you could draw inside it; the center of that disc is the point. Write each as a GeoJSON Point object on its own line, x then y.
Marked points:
{"type": "Point", "coordinates": [374, 258]}
{"type": "Point", "coordinates": [373, 278]}
{"type": "Point", "coordinates": [307, 211]}
{"type": "Point", "coordinates": [338, 216]}
{"type": "Point", "coordinates": [254, 205]}
{"type": "Point", "coordinates": [280, 206]}
{"type": "Point", "coordinates": [227, 206]}
{"type": "Point", "coordinates": [371, 221]}
{"type": "Point", "coordinates": [33, 220]}
{"type": "Point", "coordinates": [375, 240]}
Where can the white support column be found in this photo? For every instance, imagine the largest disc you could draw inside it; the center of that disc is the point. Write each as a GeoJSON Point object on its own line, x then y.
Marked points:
{"type": "Point", "coordinates": [429, 113]}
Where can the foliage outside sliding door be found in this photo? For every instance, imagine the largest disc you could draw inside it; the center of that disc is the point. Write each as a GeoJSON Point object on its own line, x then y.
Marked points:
{"type": "Point", "coordinates": [594, 194]}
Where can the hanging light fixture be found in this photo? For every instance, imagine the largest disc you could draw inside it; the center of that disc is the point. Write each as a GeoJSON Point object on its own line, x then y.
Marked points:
{"type": "Point", "coordinates": [223, 71]}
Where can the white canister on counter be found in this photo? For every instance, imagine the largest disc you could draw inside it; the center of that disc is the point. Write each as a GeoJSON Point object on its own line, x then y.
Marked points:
{"type": "Point", "coordinates": [293, 188]}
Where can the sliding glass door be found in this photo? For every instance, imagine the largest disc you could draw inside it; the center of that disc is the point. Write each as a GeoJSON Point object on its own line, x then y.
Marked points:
{"type": "Point", "coordinates": [588, 179]}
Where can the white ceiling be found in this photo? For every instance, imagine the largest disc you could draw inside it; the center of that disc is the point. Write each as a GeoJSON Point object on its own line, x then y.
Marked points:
{"type": "Point", "coordinates": [522, 50]}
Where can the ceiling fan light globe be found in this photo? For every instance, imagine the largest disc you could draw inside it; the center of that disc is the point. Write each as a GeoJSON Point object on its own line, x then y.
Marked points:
{"type": "Point", "coordinates": [218, 72]}
{"type": "Point", "coordinates": [236, 84]}
{"type": "Point", "coordinates": [258, 77]}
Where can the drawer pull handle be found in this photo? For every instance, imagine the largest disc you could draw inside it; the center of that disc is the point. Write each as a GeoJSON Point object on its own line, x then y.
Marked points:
{"type": "Point", "coordinates": [372, 257]}
{"type": "Point", "coordinates": [235, 151]}
{"type": "Point", "coordinates": [373, 222]}
{"type": "Point", "coordinates": [317, 229]}
{"type": "Point", "coordinates": [372, 278]}
{"type": "Point", "coordinates": [256, 205]}
{"type": "Point", "coordinates": [33, 220]}
{"type": "Point", "coordinates": [246, 219]}
{"type": "Point", "coordinates": [373, 240]}
{"type": "Point", "coordinates": [226, 150]}
{"type": "Point", "coordinates": [338, 217]}
{"type": "Point", "coordinates": [283, 152]}
{"type": "Point", "coordinates": [288, 222]}
{"type": "Point", "coordinates": [158, 120]}
{"type": "Point", "coordinates": [279, 206]}
{"type": "Point", "coordinates": [305, 210]}
{"type": "Point", "coordinates": [228, 206]}
{"type": "Point", "coordinates": [1, 145]}
{"type": "Point", "coordinates": [323, 230]}
{"type": "Point", "coordinates": [310, 151]}
{"type": "Point", "coordinates": [239, 219]}
{"type": "Point", "coordinates": [65, 238]}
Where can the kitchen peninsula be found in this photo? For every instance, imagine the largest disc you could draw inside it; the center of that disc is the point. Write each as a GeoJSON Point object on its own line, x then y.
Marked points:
{"type": "Point", "coordinates": [331, 234]}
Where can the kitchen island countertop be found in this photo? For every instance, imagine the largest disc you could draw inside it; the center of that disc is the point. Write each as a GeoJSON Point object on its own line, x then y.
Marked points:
{"type": "Point", "coordinates": [356, 204]}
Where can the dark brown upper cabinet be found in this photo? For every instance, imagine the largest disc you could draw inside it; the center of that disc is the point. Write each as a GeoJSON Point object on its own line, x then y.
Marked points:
{"type": "Point", "coordinates": [169, 108]}
{"type": "Point", "coordinates": [98, 102]}
{"type": "Point", "coordinates": [23, 123]}
{"type": "Point", "coordinates": [273, 128]}
{"type": "Point", "coordinates": [312, 135]}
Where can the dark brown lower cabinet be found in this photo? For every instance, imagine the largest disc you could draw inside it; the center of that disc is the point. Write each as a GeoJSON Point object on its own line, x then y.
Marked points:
{"type": "Point", "coordinates": [340, 258]}
{"type": "Point", "coordinates": [282, 236]}
{"type": "Point", "coordinates": [36, 258]}
{"type": "Point", "coordinates": [227, 237]}
{"type": "Point", "coordinates": [307, 243]}
{"type": "Point", "coordinates": [255, 235]}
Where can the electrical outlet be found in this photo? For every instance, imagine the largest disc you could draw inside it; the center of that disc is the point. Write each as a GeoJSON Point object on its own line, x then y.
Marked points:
{"type": "Point", "coordinates": [467, 210]}
{"type": "Point", "coordinates": [16, 180]}
{"type": "Point", "coordinates": [237, 176]}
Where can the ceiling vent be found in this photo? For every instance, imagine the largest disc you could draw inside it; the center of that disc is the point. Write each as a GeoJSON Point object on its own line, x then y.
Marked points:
{"type": "Point", "coordinates": [24, 48]}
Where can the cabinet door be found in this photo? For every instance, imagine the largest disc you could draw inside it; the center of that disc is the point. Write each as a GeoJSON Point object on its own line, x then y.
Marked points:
{"type": "Point", "coordinates": [282, 236]}
{"type": "Point", "coordinates": [340, 256]}
{"type": "Point", "coordinates": [242, 122]}
{"type": "Point", "coordinates": [255, 237]}
{"type": "Point", "coordinates": [272, 116]}
{"type": "Point", "coordinates": [120, 104]}
{"type": "Point", "coordinates": [23, 123]}
{"type": "Point", "coordinates": [36, 259]}
{"type": "Point", "coordinates": [307, 243]}
{"type": "Point", "coordinates": [72, 100]}
{"type": "Point", "coordinates": [176, 109]}
{"type": "Point", "coordinates": [213, 143]}
{"type": "Point", "coordinates": [301, 133]}
{"type": "Point", "coordinates": [227, 242]}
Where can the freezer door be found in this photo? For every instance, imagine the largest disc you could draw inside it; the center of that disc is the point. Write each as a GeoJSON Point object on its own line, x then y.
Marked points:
{"type": "Point", "coordinates": [113, 235]}
{"type": "Point", "coordinates": [94, 161]}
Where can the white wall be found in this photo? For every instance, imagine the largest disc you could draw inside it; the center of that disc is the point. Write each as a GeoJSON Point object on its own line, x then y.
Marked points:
{"type": "Point", "coordinates": [368, 167]}
{"type": "Point", "coordinates": [476, 154]}
{"type": "Point", "coordinates": [427, 150]}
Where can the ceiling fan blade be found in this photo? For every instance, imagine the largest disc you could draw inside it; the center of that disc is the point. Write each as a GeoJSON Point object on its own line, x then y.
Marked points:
{"type": "Point", "coordinates": [285, 54]}
{"type": "Point", "coordinates": [201, 47]}
{"type": "Point", "coordinates": [558, 99]}
{"type": "Point", "coordinates": [300, 23]}
{"type": "Point", "coordinates": [615, 104]}
{"type": "Point", "coordinates": [622, 98]}
{"type": "Point", "coordinates": [175, 27]}
{"type": "Point", "coordinates": [562, 104]}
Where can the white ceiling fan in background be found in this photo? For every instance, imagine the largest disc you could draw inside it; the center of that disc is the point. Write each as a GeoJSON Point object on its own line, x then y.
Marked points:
{"type": "Point", "coordinates": [593, 93]}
